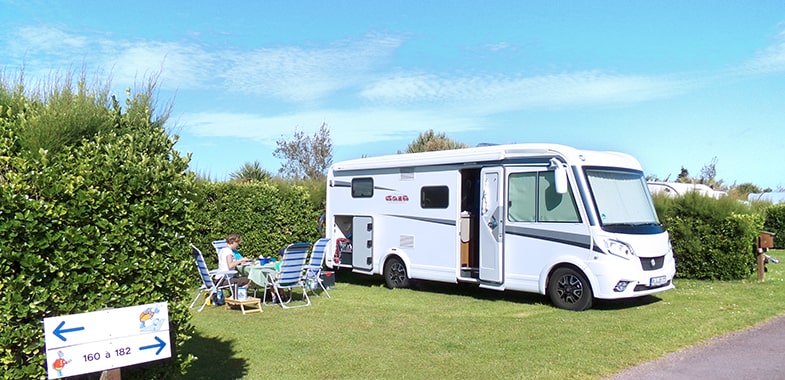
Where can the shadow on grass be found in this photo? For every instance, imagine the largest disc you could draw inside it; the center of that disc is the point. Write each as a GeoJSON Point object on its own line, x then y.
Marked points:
{"type": "Point", "coordinates": [216, 359]}
{"type": "Point", "coordinates": [349, 277]}
{"type": "Point", "coordinates": [459, 289]}
{"type": "Point", "coordinates": [625, 303]}
{"type": "Point", "coordinates": [471, 290]}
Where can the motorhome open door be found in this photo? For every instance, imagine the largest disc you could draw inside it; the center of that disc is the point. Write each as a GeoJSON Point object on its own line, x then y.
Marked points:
{"type": "Point", "coordinates": [362, 242]}
{"type": "Point", "coordinates": [491, 225]}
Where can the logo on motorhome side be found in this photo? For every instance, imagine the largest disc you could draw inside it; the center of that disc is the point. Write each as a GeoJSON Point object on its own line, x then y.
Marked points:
{"type": "Point", "coordinates": [397, 198]}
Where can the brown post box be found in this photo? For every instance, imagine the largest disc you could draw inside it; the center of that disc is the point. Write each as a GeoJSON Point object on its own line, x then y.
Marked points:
{"type": "Point", "coordinates": [764, 243]}
{"type": "Point", "coordinates": [766, 240]}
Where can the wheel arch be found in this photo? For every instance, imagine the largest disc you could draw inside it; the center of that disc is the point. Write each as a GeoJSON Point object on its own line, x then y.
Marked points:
{"type": "Point", "coordinates": [395, 253]}
{"type": "Point", "coordinates": [574, 264]}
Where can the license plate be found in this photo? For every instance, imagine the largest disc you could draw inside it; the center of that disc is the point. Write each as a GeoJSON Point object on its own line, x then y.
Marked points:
{"type": "Point", "coordinates": [657, 281]}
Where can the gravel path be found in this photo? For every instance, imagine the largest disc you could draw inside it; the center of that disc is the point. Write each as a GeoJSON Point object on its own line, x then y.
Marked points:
{"type": "Point", "coordinates": [751, 354]}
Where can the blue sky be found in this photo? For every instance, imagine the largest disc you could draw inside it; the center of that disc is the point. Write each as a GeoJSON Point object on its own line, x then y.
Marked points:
{"type": "Point", "coordinates": [674, 83]}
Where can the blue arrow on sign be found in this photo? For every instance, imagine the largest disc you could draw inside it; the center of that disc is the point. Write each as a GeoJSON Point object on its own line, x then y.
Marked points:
{"type": "Point", "coordinates": [59, 330]}
{"type": "Point", "coordinates": [161, 344]}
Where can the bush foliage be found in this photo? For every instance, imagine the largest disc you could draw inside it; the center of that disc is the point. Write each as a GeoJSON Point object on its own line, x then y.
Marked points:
{"type": "Point", "coordinates": [712, 238]}
{"type": "Point", "coordinates": [775, 223]}
{"type": "Point", "coordinates": [268, 215]}
{"type": "Point", "coordinates": [99, 222]}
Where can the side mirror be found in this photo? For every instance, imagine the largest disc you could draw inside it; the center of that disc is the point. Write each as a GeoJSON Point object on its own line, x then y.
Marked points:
{"type": "Point", "coordinates": [560, 176]}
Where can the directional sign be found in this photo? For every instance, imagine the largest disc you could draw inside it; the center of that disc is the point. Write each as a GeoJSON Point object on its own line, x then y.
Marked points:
{"type": "Point", "coordinates": [59, 330]}
{"type": "Point", "coordinates": [106, 339]}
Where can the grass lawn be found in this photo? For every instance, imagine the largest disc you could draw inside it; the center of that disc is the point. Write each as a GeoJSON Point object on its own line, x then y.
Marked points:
{"type": "Point", "coordinates": [367, 331]}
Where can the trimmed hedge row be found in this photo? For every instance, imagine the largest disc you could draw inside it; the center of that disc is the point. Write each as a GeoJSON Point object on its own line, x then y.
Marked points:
{"type": "Point", "coordinates": [712, 238]}
{"type": "Point", "coordinates": [268, 216]}
{"type": "Point", "coordinates": [775, 222]}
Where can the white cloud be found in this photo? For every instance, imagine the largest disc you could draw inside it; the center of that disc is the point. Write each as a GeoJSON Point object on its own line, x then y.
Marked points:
{"type": "Point", "coordinates": [47, 39]}
{"type": "Point", "coordinates": [306, 75]}
{"type": "Point", "coordinates": [292, 74]}
{"type": "Point", "coordinates": [40, 50]}
{"type": "Point", "coordinates": [769, 60]}
{"type": "Point", "coordinates": [181, 66]}
{"type": "Point", "coordinates": [43, 50]}
{"type": "Point", "coordinates": [298, 74]}
{"type": "Point", "coordinates": [497, 93]}
{"type": "Point", "coordinates": [354, 127]}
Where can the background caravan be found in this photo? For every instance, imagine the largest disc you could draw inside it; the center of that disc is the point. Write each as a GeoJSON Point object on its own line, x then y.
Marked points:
{"type": "Point", "coordinates": [571, 224]}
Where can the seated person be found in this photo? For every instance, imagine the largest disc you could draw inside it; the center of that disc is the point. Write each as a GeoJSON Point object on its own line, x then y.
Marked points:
{"type": "Point", "coordinates": [227, 260]}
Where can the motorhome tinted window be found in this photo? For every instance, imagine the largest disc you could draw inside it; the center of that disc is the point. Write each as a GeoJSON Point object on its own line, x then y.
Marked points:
{"type": "Point", "coordinates": [523, 192]}
{"type": "Point", "coordinates": [533, 198]}
{"type": "Point", "coordinates": [362, 187]}
{"type": "Point", "coordinates": [555, 207]}
{"type": "Point", "coordinates": [434, 197]}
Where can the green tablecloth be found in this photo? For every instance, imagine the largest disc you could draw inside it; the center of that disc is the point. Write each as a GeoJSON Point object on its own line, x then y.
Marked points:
{"type": "Point", "coordinates": [260, 275]}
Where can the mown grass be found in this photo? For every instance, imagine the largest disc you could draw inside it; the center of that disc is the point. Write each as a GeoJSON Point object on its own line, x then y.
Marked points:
{"type": "Point", "coordinates": [367, 331]}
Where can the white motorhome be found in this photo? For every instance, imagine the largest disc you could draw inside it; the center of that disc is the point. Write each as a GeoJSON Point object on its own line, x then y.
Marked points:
{"type": "Point", "coordinates": [573, 224]}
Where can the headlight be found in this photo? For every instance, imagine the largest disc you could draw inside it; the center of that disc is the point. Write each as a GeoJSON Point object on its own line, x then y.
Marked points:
{"type": "Point", "coordinates": [619, 248]}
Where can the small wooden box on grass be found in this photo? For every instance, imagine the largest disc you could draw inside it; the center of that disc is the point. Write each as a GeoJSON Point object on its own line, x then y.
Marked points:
{"type": "Point", "coordinates": [254, 303]}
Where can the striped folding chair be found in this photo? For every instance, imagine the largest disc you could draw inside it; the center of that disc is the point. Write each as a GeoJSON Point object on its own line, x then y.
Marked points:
{"type": "Point", "coordinates": [290, 277]}
{"type": "Point", "coordinates": [210, 279]}
{"type": "Point", "coordinates": [313, 272]}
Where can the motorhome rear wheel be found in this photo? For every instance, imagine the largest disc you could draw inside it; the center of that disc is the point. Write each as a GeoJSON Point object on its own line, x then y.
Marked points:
{"type": "Point", "coordinates": [395, 274]}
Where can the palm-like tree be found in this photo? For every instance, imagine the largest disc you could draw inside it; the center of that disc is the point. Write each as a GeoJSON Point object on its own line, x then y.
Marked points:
{"type": "Point", "coordinates": [250, 172]}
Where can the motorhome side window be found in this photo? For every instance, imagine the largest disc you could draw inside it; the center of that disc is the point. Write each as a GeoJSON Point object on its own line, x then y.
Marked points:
{"type": "Point", "coordinates": [533, 198]}
{"type": "Point", "coordinates": [362, 187]}
{"type": "Point", "coordinates": [434, 197]}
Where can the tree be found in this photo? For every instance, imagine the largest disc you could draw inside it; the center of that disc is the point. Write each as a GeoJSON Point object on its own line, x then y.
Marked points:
{"type": "Point", "coordinates": [684, 176]}
{"type": "Point", "coordinates": [306, 156]}
{"type": "Point", "coordinates": [709, 175]}
{"type": "Point", "coordinates": [741, 191]}
{"type": "Point", "coordinates": [250, 172]}
{"type": "Point", "coordinates": [430, 141]}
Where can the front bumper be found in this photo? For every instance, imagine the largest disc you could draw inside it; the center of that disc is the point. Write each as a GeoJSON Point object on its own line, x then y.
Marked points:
{"type": "Point", "coordinates": [618, 279]}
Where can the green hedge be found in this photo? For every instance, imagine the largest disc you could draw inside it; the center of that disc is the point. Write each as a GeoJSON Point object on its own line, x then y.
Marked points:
{"type": "Point", "coordinates": [268, 215]}
{"type": "Point", "coordinates": [102, 223]}
{"type": "Point", "coordinates": [775, 222]}
{"type": "Point", "coordinates": [712, 238]}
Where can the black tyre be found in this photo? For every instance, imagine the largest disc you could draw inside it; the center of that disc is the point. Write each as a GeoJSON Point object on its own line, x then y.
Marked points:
{"type": "Point", "coordinates": [395, 275]}
{"type": "Point", "coordinates": [568, 289]}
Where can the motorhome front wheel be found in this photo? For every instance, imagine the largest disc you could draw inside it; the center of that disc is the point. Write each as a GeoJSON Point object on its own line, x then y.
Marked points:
{"type": "Point", "coordinates": [569, 289]}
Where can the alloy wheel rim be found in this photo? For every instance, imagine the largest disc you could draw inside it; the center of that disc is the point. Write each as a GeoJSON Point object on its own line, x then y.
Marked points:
{"type": "Point", "coordinates": [570, 288]}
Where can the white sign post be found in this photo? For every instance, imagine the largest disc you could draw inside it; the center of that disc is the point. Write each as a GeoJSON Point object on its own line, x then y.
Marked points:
{"type": "Point", "coordinates": [106, 339]}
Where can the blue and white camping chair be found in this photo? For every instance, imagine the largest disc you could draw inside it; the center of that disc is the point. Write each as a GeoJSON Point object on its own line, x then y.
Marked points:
{"type": "Point", "coordinates": [218, 244]}
{"type": "Point", "coordinates": [313, 272]}
{"type": "Point", "coordinates": [210, 279]}
{"type": "Point", "coordinates": [291, 276]}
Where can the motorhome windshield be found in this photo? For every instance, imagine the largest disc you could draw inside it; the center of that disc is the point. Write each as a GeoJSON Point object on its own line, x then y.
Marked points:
{"type": "Point", "coordinates": [623, 201]}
